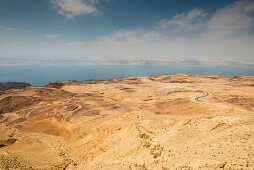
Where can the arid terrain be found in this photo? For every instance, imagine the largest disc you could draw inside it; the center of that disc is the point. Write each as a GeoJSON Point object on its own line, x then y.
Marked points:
{"type": "Point", "coordinates": [10, 85]}
{"type": "Point", "coordinates": [156, 122]}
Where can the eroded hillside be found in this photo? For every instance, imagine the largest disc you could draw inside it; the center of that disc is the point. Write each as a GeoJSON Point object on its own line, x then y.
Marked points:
{"type": "Point", "coordinates": [153, 122]}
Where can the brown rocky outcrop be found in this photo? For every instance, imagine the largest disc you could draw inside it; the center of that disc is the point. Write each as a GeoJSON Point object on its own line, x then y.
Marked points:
{"type": "Point", "coordinates": [13, 103]}
{"type": "Point", "coordinates": [13, 85]}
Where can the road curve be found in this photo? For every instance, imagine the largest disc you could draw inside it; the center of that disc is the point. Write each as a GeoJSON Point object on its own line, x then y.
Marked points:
{"type": "Point", "coordinates": [203, 96]}
{"type": "Point", "coordinates": [198, 99]}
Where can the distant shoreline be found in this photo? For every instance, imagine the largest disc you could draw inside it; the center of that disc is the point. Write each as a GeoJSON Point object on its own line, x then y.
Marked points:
{"type": "Point", "coordinates": [19, 85]}
{"type": "Point", "coordinates": [40, 75]}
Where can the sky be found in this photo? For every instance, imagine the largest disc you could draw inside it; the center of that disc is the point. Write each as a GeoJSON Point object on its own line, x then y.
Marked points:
{"type": "Point", "coordinates": [127, 32]}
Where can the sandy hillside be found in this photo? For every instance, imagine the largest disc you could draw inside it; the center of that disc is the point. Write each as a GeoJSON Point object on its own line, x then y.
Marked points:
{"type": "Point", "coordinates": [157, 122]}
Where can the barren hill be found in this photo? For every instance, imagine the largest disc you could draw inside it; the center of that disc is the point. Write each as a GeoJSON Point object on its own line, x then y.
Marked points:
{"type": "Point", "coordinates": [13, 85]}
{"type": "Point", "coordinates": [155, 122]}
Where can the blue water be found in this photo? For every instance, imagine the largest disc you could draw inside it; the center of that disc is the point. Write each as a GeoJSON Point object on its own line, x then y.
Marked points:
{"type": "Point", "coordinates": [40, 75]}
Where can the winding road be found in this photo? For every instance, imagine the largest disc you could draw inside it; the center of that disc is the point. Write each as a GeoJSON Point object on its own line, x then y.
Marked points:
{"type": "Point", "coordinates": [203, 96]}
{"type": "Point", "coordinates": [198, 99]}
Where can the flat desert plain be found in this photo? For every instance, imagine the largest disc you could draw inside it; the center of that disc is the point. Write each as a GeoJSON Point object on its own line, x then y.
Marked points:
{"type": "Point", "coordinates": [156, 122]}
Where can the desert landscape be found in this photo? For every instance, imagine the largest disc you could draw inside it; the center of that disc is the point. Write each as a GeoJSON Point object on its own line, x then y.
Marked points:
{"type": "Point", "coordinates": [157, 122]}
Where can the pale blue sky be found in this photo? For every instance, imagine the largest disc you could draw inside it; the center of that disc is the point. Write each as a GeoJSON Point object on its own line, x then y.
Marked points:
{"type": "Point", "coordinates": [95, 31]}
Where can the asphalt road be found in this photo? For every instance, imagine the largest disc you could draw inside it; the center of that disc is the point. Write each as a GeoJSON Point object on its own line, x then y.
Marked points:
{"type": "Point", "coordinates": [200, 97]}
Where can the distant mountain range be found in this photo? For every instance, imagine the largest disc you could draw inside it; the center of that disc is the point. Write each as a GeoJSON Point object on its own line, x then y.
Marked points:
{"type": "Point", "coordinates": [112, 61]}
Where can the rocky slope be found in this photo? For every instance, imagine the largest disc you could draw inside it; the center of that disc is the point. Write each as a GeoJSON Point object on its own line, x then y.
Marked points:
{"type": "Point", "coordinates": [130, 123]}
{"type": "Point", "coordinates": [13, 85]}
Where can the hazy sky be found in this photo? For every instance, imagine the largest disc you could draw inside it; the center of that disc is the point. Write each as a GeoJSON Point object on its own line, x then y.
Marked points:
{"type": "Point", "coordinates": [218, 30]}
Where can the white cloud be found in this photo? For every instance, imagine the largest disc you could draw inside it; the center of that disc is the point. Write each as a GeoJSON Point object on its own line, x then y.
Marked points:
{"type": "Point", "coordinates": [249, 7]}
{"type": "Point", "coordinates": [230, 22]}
{"type": "Point", "coordinates": [221, 36]}
{"type": "Point", "coordinates": [6, 28]}
{"type": "Point", "coordinates": [44, 43]}
{"type": "Point", "coordinates": [51, 35]}
{"type": "Point", "coordinates": [232, 19]}
{"type": "Point", "coordinates": [77, 43]}
{"type": "Point", "coordinates": [136, 36]}
{"type": "Point", "coordinates": [72, 8]}
{"type": "Point", "coordinates": [192, 20]}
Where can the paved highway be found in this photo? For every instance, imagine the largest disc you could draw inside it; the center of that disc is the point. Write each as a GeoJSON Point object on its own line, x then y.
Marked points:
{"type": "Point", "coordinates": [200, 97]}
